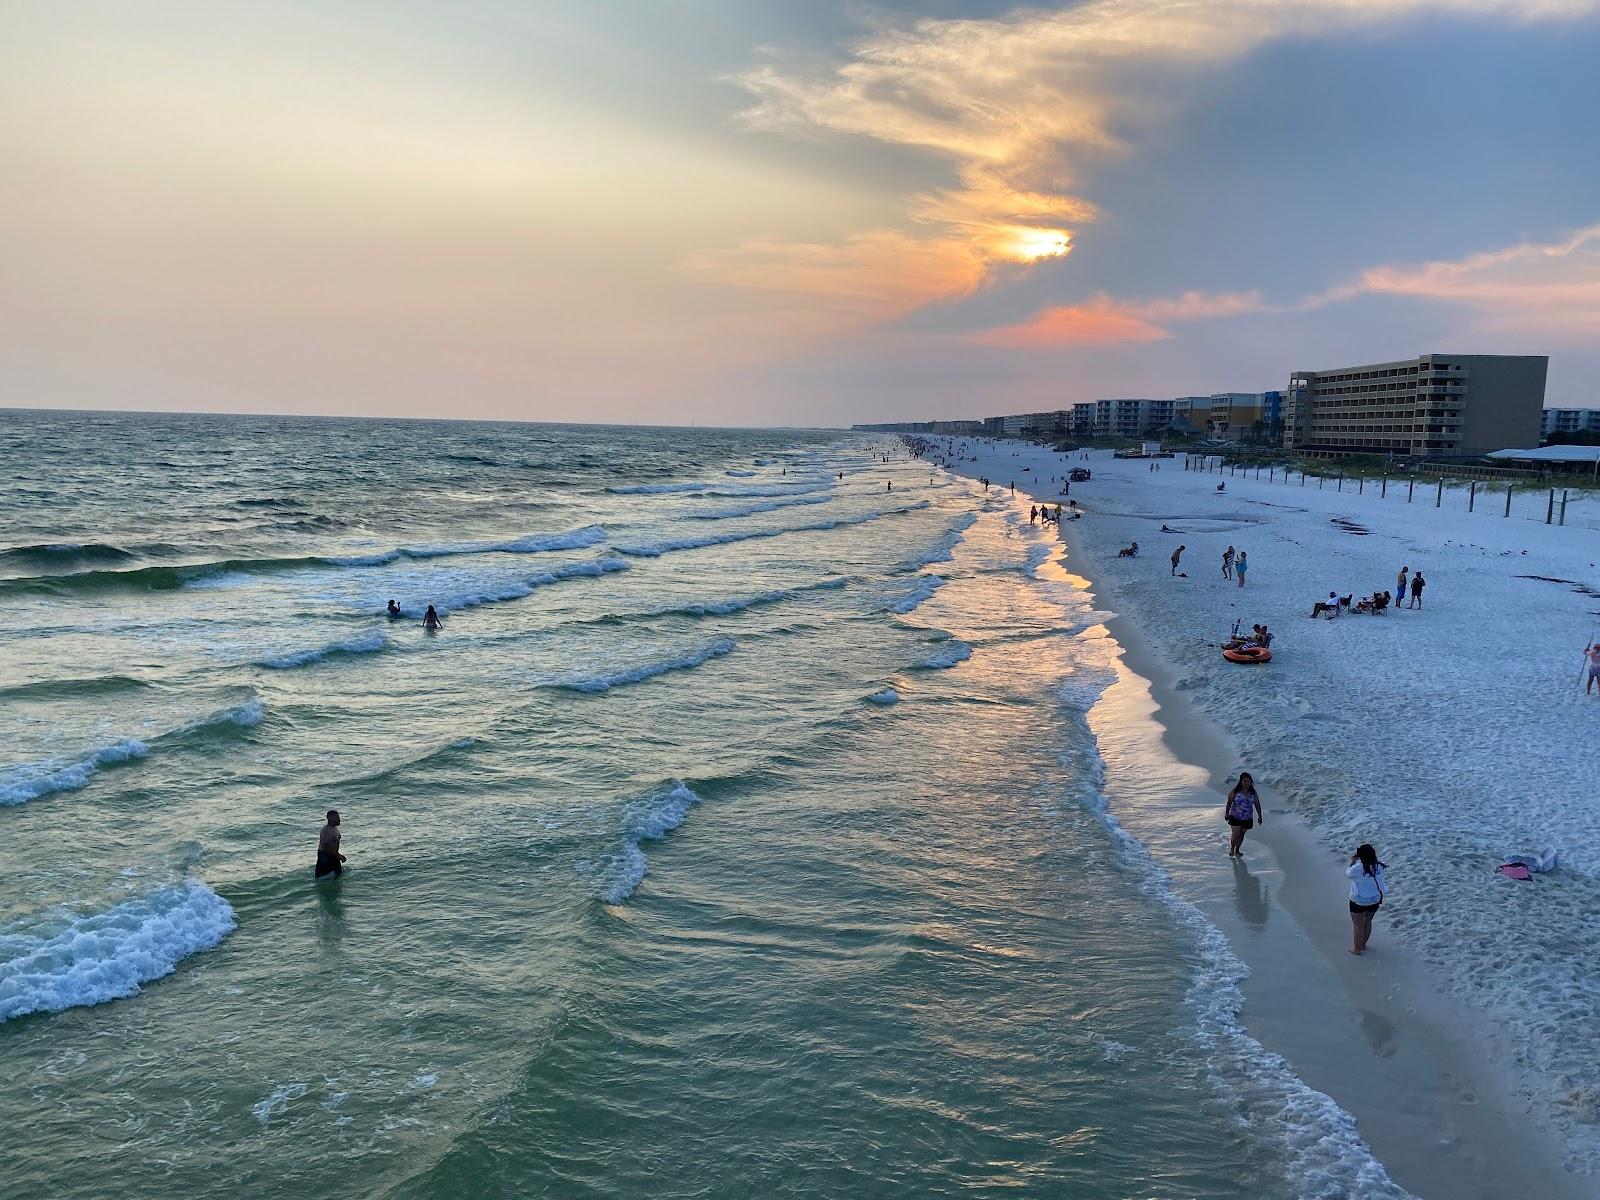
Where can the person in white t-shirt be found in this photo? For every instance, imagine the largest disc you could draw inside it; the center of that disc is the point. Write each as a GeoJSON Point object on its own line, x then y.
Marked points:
{"type": "Point", "coordinates": [1366, 893]}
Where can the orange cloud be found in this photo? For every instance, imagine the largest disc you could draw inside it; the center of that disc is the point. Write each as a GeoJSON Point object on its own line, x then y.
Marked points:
{"type": "Point", "coordinates": [1100, 323]}
{"type": "Point", "coordinates": [1022, 106]}
{"type": "Point", "coordinates": [1104, 321]}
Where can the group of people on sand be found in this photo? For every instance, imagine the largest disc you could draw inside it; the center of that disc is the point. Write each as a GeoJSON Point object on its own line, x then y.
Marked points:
{"type": "Point", "coordinates": [1376, 604]}
{"type": "Point", "coordinates": [1042, 512]}
{"type": "Point", "coordinates": [1367, 875]}
{"type": "Point", "coordinates": [430, 619]}
{"type": "Point", "coordinates": [1235, 565]}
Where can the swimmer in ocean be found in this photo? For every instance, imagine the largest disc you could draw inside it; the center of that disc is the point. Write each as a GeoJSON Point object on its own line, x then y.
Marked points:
{"type": "Point", "coordinates": [430, 620]}
{"type": "Point", "coordinates": [329, 860]}
{"type": "Point", "coordinates": [394, 610]}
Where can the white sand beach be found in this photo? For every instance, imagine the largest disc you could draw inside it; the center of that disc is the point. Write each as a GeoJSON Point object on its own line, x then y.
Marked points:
{"type": "Point", "coordinates": [1464, 1042]}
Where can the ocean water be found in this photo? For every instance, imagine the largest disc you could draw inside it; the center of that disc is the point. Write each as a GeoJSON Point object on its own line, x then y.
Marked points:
{"type": "Point", "coordinates": [741, 833]}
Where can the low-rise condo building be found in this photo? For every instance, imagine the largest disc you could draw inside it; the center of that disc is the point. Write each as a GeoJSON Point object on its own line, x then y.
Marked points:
{"type": "Point", "coordinates": [1568, 420]}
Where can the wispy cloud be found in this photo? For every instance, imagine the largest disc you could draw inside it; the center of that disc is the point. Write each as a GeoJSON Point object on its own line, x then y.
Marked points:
{"type": "Point", "coordinates": [867, 277]}
{"type": "Point", "coordinates": [1023, 108]}
{"type": "Point", "coordinates": [1551, 288]}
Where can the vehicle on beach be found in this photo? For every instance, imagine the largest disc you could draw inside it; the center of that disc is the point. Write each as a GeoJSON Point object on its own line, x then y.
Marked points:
{"type": "Point", "coordinates": [1079, 474]}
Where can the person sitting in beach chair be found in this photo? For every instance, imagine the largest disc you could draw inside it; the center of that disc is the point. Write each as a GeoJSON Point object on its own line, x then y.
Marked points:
{"type": "Point", "coordinates": [1329, 606]}
{"type": "Point", "coordinates": [1222, 487]}
{"type": "Point", "coordinates": [1380, 604]}
{"type": "Point", "coordinates": [1129, 551]}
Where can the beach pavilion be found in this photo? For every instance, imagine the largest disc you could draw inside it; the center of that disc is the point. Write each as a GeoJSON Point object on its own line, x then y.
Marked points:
{"type": "Point", "coordinates": [1569, 458]}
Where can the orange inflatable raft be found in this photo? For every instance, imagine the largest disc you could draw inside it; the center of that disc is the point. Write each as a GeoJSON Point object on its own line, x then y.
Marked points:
{"type": "Point", "coordinates": [1248, 654]}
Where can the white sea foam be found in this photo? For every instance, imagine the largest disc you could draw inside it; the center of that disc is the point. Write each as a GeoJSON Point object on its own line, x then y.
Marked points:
{"type": "Point", "coordinates": [887, 696]}
{"type": "Point", "coordinates": [926, 586]}
{"type": "Point", "coordinates": [277, 1101]}
{"type": "Point", "coordinates": [948, 655]}
{"type": "Point", "coordinates": [668, 545]}
{"type": "Point", "coordinates": [367, 643]}
{"type": "Point", "coordinates": [605, 681]}
{"type": "Point", "coordinates": [740, 473]}
{"type": "Point", "coordinates": [649, 818]}
{"type": "Point", "coordinates": [65, 961]}
{"type": "Point", "coordinates": [29, 781]}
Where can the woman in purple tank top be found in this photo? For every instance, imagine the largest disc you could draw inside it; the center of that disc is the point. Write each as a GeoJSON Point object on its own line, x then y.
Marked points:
{"type": "Point", "coordinates": [1242, 810]}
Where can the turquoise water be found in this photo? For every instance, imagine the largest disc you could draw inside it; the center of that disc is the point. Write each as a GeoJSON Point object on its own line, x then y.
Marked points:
{"type": "Point", "coordinates": [739, 834]}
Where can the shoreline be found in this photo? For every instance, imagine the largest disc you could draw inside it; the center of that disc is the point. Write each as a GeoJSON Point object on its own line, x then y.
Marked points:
{"type": "Point", "coordinates": [1417, 1070]}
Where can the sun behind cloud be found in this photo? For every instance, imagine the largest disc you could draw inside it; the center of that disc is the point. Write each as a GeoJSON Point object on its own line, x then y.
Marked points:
{"type": "Point", "coordinates": [1026, 244]}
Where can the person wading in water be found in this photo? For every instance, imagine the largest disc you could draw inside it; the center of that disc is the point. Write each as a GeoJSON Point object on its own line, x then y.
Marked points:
{"type": "Point", "coordinates": [330, 863]}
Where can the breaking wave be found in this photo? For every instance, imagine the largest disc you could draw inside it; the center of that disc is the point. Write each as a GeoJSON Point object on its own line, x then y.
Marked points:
{"type": "Point", "coordinates": [668, 545]}
{"type": "Point", "coordinates": [369, 643]}
{"type": "Point", "coordinates": [605, 681]}
{"type": "Point", "coordinates": [926, 586]}
{"type": "Point", "coordinates": [29, 781]}
{"type": "Point", "coordinates": [515, 589]}
{"type": "Point", "coordinates": [72, 960]}
{"type": "Point", "coordinates": [750, 510]}
{"type": "Point", "coordinates": [649, 818]}
{"type": "Point", "coordinates": [167, 578]}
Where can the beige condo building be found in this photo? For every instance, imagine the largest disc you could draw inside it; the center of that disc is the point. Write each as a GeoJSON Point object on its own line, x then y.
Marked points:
{"type": "Point", "coordinates": [1437, 405]}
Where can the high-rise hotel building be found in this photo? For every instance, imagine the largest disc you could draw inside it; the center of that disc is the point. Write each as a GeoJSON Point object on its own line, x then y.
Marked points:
{"type": "Point", "coordinates": [1437, 405]}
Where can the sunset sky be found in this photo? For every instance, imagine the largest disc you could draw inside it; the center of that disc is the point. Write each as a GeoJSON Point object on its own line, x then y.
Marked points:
{"type": "Point", "coordinates": [783, 211]}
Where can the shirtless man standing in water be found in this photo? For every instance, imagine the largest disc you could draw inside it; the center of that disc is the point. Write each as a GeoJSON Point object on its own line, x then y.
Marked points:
{"type": "Point", "coordinates": [329, 860]}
